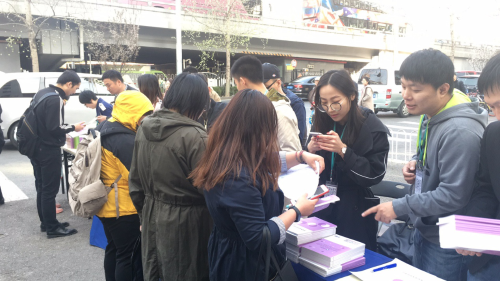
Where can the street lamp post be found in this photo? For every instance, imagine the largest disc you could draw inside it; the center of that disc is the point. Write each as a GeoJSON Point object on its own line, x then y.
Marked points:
{"type": "Point", "coordinates": [178, 36]}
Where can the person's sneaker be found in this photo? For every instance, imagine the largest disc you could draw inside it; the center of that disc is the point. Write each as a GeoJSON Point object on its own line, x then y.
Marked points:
{"type": "Point", "coordinates": [61, 231]}
{"type": "Point", "coordinates": [63, 224]}
{"type": "Point", "coordinates": [59, 210]}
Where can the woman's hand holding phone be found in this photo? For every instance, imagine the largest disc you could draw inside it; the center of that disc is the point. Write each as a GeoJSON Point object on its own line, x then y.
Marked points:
{"type": "Point", "coordinates": [331, 142]}
{"type": "Point", "coordinates": [314, 145]}
{"type": "Point", "coordinates": [306, 206]}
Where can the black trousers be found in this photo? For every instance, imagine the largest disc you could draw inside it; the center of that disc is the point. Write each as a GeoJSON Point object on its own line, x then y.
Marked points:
{"type": "Point", "coordinates": [121, 234]}
{"type": "Point", "coordinates": [47, 165]}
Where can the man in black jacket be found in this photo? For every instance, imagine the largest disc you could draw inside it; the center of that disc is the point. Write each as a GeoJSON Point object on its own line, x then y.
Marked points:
{"type": "Point", "coordinates": [485, 201]}
{"type": "Point", "coordinates": [47, 159]}
{"type": "Point", "coordinates": [457, 84]}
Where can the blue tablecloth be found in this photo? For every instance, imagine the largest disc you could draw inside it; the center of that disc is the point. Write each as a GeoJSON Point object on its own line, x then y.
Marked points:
{"type": "Point", "coordinates": [97, 236]}
{"type": "Point", "coordinates": [372, 259]}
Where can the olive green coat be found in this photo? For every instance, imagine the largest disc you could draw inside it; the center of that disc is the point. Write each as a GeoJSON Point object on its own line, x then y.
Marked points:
{"type": "Point", "coordinates": [176, 224]}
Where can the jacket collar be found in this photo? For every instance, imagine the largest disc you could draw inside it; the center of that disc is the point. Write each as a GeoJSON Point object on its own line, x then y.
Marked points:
{"type": "Point", "coordinates": [372, 124]}
{"type": "Point", "coordinates": [274, 95]}
{"type": "Point", "coordinates": [60, 91]}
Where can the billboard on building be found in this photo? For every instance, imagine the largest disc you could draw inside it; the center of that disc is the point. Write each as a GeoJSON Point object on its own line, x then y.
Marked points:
{"type": "Point", "coordinates": [350, 14]}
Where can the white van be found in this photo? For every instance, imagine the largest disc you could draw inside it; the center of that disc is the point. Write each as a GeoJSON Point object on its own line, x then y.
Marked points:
{"type": "Point", "coordinates": [17, 90]}
{"type": "Point", "coordinates": [386, 85]}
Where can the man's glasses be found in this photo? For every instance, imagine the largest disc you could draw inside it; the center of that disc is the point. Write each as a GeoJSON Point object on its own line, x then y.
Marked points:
{"type": "Point", "coordinates": [271, 84]}
{"type": "Point", "coordinates": [335, 107]}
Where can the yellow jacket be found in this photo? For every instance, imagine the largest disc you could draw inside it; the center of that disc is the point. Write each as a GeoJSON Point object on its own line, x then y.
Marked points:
{"type": "Point", "coordinates": [117, 141]}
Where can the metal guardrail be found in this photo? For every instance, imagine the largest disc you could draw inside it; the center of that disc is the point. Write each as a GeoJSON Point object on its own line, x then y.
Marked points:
{"type": "Point", "coordinates": [402, 145]}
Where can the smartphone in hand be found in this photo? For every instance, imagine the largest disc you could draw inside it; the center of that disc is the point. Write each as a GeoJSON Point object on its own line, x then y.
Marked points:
{"type": "Point", "coordinates": [315, 134]}
{"type": "Point", "coordinates": [324, 190]}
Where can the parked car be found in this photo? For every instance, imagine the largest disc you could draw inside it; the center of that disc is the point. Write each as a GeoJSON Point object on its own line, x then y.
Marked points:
{"type": "Point", "coordinates": [17, 90]}
{"type": "Point", "coordinates": [470, 82]}
{"type": "Point", "coordinates": [301, 86]}
{"type": "Point", "coordinates": [386, 86]}
{"type": "Point", "coordinates": [462, 73]}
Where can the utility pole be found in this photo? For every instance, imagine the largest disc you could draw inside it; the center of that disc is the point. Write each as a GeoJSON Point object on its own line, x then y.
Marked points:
{"type": "Point", "coordinates": [178, 36]}
{"type": "Point", "coordinates": [452, 29]}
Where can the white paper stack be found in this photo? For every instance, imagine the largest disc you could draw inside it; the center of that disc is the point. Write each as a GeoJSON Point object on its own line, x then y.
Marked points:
{"type": "Point", "coordinates": [329, 271]}
{"type": "Point", "coordinates": [470, 233]}
{"type": "Point", "coordinates": [332, 251]}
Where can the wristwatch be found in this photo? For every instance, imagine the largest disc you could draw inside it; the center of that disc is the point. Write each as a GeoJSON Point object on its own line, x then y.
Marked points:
{"type": "Point", "coordinates": [299, 215]}
{"type": "Point", "coordinates": [344, 149]}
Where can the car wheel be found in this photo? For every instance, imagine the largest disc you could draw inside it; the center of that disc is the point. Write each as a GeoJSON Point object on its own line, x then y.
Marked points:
{"type": "Point", "coordinates": [403, 111]}
{"type": "Point", "coordinates": [12, 135]}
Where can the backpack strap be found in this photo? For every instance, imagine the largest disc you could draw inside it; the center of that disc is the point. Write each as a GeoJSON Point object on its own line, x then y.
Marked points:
{"type": "Point", "coordinates": [115, 186]}
{"type": "Point", "coordinates": [42, 98]}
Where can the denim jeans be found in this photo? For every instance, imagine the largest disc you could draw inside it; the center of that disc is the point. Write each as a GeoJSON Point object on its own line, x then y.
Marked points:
{"type": "Point", "coordinates": [491, 271]}
{"type": "Point", "coordinates": [446, 264]}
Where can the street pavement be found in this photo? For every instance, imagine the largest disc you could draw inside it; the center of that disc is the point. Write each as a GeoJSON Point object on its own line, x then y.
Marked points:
{"type": "Point", "coordinates": [26, 253]}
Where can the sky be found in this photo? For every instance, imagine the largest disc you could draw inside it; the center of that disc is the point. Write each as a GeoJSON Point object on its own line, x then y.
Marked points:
{"type": "Point", "coordinates": [475, 21]}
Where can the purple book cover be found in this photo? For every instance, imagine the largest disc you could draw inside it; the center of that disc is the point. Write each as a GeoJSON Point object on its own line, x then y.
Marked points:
{"type": "Point", "coordinates": [326, 248]}
{"type": "Point", "coordinates": [314, 224]}
{"type": "Point", "coordinates": [353, 264]}
{"type": "Point", "coordinates": [477, 225]}
{"type": "Point", "coordinates": [496, 253]}
{"type": "Point", "coordinates": [475, 220]}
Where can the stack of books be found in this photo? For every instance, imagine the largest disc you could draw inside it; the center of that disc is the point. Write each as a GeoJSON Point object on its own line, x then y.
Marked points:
{"type": "Point", "coordinates": [470, 233]}
{"type": "Point", "coordinates": [332, 255]}
{"type": "Point", "coordinates": [305, 231]}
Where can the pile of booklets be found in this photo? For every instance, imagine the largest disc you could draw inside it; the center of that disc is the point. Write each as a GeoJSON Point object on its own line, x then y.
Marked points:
{"type": "Point", "coordinates": [312, 242]}
{"type": "Point", "coordinates": [470, 233]}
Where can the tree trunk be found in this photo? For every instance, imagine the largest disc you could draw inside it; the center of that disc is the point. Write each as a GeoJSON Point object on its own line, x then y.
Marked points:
{"type": "Point", "coordinates": [228, 66]}
{"type": "Point", "coordinates": [32, 38]}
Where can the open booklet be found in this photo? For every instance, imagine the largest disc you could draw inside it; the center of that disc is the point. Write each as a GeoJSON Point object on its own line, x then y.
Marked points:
{"type": "Point", "coordinates": [88, 125]}
{"type": "Point", "coordinates": [402, 271]}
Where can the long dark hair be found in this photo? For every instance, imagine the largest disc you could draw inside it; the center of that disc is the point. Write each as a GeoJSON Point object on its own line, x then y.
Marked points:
{"type": "Point", "coordinates": [187, 95]}
{"type": "Point", "coordinates": [149, 86]}
{"type": "Point", "coordinates": [244, 136]}
{"type": "Point", "coordinates": [340, 80]}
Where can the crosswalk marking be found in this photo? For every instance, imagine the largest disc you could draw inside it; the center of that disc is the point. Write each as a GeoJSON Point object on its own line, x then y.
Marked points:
{"type": "Point", "coordinates": [10, 190]}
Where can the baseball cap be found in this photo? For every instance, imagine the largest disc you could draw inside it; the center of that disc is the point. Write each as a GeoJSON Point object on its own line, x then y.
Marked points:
{"type": "Point", "coordinates": [271, 71]}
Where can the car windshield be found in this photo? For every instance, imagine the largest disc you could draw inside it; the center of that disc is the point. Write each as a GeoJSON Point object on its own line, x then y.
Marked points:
{"type": "Point", "coordinates": [302, 79]}
{"type": "Point", "coordinates": [470, 81]}
{"type": "Point", "coordinates": [376, 76]}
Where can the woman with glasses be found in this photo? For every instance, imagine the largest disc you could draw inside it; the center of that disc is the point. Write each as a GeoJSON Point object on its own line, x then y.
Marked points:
{"type": "Point", "coordinates": [175, 221]}
{"type": "Point", "coordinates": [354, 143]}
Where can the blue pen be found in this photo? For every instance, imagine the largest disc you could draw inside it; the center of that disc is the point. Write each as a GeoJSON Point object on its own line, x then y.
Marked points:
{"type": "Point", "coordinates": [386, 267]}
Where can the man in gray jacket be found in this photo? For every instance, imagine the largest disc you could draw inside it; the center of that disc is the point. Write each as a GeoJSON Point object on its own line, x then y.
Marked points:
{"type": "Point", "coordinates": [442, 171]}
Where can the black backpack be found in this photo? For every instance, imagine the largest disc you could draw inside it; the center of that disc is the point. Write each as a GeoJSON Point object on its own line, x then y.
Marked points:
{"type": "Point", "coordinates": [27, 137]}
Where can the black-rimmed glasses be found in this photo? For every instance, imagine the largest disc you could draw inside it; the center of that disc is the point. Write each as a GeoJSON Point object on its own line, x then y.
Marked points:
{"type": "Point", "coordinates": [335, 107]}
{"type": "Point", "coordinates": [272, 84]}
